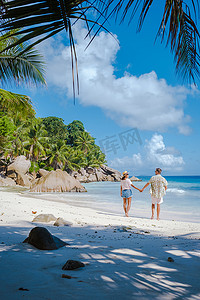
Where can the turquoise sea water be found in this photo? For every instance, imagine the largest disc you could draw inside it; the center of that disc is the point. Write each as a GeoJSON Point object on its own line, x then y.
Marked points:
{"type": "Point", "coordinates": [181, 202]}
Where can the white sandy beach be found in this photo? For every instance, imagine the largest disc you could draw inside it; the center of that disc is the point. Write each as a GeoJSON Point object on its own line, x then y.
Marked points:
{"type": "Point", "coordinates": [126, 258]}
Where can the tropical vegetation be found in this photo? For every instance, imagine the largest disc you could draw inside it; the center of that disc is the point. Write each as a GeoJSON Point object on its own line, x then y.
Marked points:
{"type": "Point", "coordinates": [16, 110]}
{"type": "Point", "coordinates": [47, 142]}
{"type": "Point", "coordinates": [18, 67]}
{"type": "Point", "coordinates": [43, 19]}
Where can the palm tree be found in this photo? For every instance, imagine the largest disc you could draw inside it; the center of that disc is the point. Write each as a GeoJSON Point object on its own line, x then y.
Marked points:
{"type": "Point", "coordinates": [20, 135]}
{"type": "Point", "coordinates": [57, 156]}
{"type": "Point", "coordinates": [7, 129]}
{"type": "Point", "coordinates": [19, 110]}
{"type": "Point", "coordinates": [75, 159]}
{"type": "Point", "coordinates": [95, 157]}
{"type": "Point", "coordinates": [84, 142]}
{"type": "Point", "coordinates": [74, 130]}
{"type": "Point", "coordinates": [100, 157]}
{"type": "Point", "coordinates": [37, 140]}
{"type": "Point", "coordinates": [78, 159]}
{"type": "Point", "coordinates": [27, 67]}
{"type": "Point", "coordinates": [43, 19]}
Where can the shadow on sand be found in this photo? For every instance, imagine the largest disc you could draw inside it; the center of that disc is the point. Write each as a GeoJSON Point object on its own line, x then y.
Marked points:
{"type": "Point", "coordinates": [121, 263]}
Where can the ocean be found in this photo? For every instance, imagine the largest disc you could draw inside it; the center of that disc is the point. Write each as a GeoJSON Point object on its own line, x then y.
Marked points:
{"type": "Point", "coordinates": [181, 202]}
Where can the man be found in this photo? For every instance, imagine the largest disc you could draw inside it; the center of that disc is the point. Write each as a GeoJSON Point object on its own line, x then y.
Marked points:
{"type": "Point", "coordinates": [157, 190]}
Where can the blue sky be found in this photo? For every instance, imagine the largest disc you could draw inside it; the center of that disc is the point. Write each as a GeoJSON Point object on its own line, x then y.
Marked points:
{"type": "Point", "coordinates": [128, 93]}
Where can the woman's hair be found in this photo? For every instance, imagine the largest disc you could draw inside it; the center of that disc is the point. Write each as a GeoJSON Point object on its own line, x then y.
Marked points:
{"type": "Point", "coordinates": [124, 175]}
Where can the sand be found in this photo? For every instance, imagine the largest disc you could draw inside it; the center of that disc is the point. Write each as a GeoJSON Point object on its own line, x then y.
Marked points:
{"type": "Point", "coordinates": [125, 258]}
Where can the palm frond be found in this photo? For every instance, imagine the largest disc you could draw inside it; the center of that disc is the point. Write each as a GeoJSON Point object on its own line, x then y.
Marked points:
{"type": "Point", "coordinates": [43, 19]}
{"type": "Point", "coordinates": [12, 102]}
{"type": "Point", "coordinates": [22, 67]}
{"type": "Point", "coordinates": [183, 36]}
{"type": "Point", "coordinates": [179, 19]}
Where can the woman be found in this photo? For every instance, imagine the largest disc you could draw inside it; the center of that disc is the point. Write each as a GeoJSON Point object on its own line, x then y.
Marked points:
{"type": "Point", "coordinates": [126, 192]}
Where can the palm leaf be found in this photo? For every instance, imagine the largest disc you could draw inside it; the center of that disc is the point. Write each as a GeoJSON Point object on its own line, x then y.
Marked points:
{"type": "Point", "coordinates": [43, 19]}
{"type": "Point", "coordinates": [22, 67]}
{"type": "Point", "coordinates": [178, 19]}
{"type": "Point", "coordinates": [184, 37]}
{"type": "Point", "coordinates": [12, 102]}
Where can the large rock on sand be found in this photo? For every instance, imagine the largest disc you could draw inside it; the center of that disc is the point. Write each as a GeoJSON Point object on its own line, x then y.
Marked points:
{"type": "Point", "coordinates": [23, 180]}
{"type": "Point", "coordinates": [21, 165]}
{"type": "Point", "coordinates": [4, 181]}
{"type": "Point", "coordinates": [42, 239]}
{"type": "Point", "coordinates": [133, 178]}
{"type": "Point", "coordinates": [44, 218]}
{"type": "Point", "coordinates": [18, 169]}
{"type": "Point", "coordinates": [62, 222]}
{"type": "Point", "coordinates": [112, 172]}
{"type": "Point", "coordinates": [103, 173]}
{"type": "Point", "coordinates": [42, 172]}
{"type": "Point", "coordinates": [57, 181]}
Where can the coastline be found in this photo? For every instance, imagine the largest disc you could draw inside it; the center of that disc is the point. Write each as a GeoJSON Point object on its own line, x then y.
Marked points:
{"type": "Point", "coordinates": [104, 197]}
{"type": "Point", "coordinates": [87, 215]}
{"type": "Point", "coordinates": [124, 256]}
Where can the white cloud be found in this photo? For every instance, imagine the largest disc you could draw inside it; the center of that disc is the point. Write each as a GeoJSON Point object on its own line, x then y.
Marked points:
{"type": "Point", "coordinates": [145, 102]}
{"type": "Point", "coordinates": [159, 154]}
{"type": "Point", "coordinates": [156, 155]}
{"type": "Point", "coordinates": [126, 162]}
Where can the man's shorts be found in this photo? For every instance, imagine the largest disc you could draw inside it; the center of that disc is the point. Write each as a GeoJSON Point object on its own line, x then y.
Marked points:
{"type": "Point", "coordinates": [156, 200]}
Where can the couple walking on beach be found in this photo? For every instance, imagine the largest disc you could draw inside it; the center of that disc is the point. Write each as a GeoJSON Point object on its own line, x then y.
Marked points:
{"type": "Point", "coordinates": [158, 189]}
